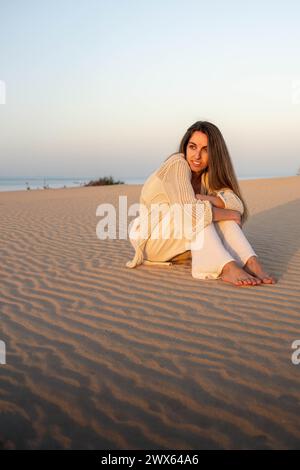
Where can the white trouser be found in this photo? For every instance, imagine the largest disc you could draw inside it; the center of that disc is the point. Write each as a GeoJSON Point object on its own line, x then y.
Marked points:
{"type": "Point", "coordinates": [220, 242]}
{"type": "Point", "coordinates": [211, 248]}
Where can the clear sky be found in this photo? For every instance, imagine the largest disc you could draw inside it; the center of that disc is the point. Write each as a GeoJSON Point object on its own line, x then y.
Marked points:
{"type": "Point", "coordinates": [101, 88]}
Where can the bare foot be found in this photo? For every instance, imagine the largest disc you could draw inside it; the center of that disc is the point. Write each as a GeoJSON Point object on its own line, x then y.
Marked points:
{"type": "Point", "coordinates": [254, 267]}
{"type": "Point", "coordinates": [235, 275]}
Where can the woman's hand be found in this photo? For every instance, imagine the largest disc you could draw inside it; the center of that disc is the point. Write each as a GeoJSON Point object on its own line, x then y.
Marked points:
{"type": "Point", "coordinates": [215, 200]}
{"type": "Point", "coordinates": [237, 218]}
{"type": "Point", "coordinates": [203, 197]}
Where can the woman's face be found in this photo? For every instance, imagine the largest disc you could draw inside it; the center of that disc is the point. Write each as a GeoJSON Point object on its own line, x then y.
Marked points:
{"type": "Point", "coordinates": [196, 152]}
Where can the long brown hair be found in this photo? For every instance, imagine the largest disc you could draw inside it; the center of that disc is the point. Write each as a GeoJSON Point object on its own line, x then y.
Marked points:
{"type": "Point", "coordinates": [220, 171]}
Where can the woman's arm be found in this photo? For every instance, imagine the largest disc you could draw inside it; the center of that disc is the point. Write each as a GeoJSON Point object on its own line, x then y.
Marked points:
{"type": "Point", "coordinates": [224, 199]}
{"type": "Point", "coordinates": [219, 210]}
{"type": "Point", "coordinates": [176, 178]}
{"type": "Point", "coordinates": [226, 214]}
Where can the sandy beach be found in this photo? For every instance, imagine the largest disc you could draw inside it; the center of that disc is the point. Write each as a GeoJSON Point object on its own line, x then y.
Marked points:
{"type": "Point", "coordinates": [99, 356]}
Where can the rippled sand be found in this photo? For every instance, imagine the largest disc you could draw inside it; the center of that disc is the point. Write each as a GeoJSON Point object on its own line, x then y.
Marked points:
{"type": "Point", "coordinates": [100, 356]}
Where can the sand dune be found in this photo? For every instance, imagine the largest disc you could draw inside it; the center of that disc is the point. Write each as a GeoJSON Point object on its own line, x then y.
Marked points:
{"type": "Point", "coordinates": [99, 356]}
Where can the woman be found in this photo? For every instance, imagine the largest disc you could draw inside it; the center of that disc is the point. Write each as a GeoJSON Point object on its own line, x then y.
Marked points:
{"type": "Point", "coordinates": [201, 181]}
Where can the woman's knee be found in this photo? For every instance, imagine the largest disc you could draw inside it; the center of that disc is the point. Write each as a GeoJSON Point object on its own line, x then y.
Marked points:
{"type": "Point", "coordinates": [227, 225]}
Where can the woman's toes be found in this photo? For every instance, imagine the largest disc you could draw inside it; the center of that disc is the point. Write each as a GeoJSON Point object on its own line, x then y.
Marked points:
{"type": "Point", "coordinates": [267, 279]}
{"type": "Point", "coordinates": [248, 281]}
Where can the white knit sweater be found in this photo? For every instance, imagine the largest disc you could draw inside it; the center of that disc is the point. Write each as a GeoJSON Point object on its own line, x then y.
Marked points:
{"type": "Point", "coordinates": [171, 184]}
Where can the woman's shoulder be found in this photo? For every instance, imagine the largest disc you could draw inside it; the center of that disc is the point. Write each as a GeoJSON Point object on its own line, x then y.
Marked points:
{"type": "Point", "coordinates": [175, 157]}
{"type": "Point", "coordinates": [170, 162]}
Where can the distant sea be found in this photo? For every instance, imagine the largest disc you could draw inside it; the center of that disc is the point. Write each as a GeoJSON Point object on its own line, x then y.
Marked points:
{"type": "Point", "coordinates": [21, 184]}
